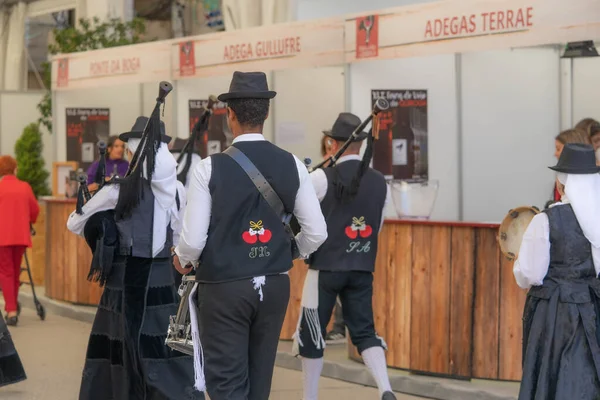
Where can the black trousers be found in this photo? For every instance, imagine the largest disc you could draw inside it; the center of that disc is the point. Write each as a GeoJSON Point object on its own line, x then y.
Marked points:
{"type": "Point", "coordinates": [240, 334]}
{"type": "Point", "coordinates": [355, 289]}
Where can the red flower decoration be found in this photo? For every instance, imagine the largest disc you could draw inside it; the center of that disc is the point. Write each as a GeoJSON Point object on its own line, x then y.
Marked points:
{"type": "Point", "coordinates": [351, 233]}
{"type": "Point", "coordinates": [365, 233]}
{"type": "Point", "coordinates": [358, 227]}
{"type": "Point", "coordinates": [249, 238]}
{"type": "Point", "coordinates": [265, 236]}
{"type": "Point", "coordinates": [256, 232]}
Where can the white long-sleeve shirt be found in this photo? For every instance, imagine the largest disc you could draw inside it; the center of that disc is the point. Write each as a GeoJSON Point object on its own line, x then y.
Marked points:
{"type": "Point", "coordinates": [106, 199]}
{"type": "Point", "coordinates": [533, 262]}
{"type": "Point", "coordinates": [195, 160]}
{"type": "Point", "coordinates": [197, 216]}
{"type": "Point", "coordinates": [319, 180]}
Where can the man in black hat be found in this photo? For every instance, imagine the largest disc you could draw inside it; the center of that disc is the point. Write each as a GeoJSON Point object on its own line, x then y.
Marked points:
{"type": "Point", "coordinates": [559, 262]}
{"type": "Point", "coordinates": [126, 356]}
{"type": "Point", "coordinates": [353, 197]}
{"type": "Point", "coordinates": [241, 249]}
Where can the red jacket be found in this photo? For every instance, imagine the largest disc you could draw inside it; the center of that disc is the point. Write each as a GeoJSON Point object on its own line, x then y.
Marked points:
{"type": "Point", "coordinates": [18, 209]}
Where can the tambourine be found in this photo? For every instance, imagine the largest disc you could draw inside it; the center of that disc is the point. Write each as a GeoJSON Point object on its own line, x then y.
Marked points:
{"type": "Point", "coordinates": [512, 229]}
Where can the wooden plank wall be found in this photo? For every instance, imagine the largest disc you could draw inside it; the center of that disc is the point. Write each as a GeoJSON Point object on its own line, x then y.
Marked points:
{"type": "Point", "coordinates": [446, 302]}
{"type": "Point", "coordinates": [68, 259]}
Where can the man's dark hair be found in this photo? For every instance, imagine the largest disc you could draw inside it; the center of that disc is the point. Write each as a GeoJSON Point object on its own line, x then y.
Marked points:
{"type": "Point", "coordinates": [250, 112]}
{"type": "Point", "coordinates": [354, 146]}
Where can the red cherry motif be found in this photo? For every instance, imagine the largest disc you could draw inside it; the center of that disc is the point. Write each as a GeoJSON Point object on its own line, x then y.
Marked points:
{"type": "Point", "coordinates": [248, 238]}
{"type": "Point", "coordinates": [265, 237]}
{"type": "Point", "coordinates": [365, 233]}
{"type": "Point", "coordinates": [351, 233]}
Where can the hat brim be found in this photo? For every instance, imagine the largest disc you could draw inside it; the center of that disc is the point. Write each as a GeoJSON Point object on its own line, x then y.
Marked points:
{"type": "Point", "coordinates": [576, 171]}
{"type": "Point", "coordinates": [124, 137]}
{"type": "Point", "coordinates": [361, 136]}
{"type": "Point", "coordinates": [269, 94]}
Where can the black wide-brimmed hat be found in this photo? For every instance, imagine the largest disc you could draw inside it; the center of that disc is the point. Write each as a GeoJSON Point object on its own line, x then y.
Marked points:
{"type": "Point", "coordinates": [138, 129]}
{"type": "Point", "coordinates": [344, 126]}
{"type": "Point", "coordinates": [248, 85]}
{"type": "Point", "coordinates": [577, 158]}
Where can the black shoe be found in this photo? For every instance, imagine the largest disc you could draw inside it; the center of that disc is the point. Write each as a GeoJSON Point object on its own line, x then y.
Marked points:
{"type": "Point", "coordinates": [388, 396]}
{"type": "Point", "coordinates": [12, 321]}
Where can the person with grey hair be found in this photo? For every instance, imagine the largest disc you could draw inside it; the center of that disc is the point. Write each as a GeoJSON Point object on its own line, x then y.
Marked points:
{"type": "Point", "coordinates": [559, 262]}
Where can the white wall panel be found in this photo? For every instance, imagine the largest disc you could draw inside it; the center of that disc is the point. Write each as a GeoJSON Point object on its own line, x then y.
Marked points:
{"type": "Point", "coordinates": [511, 113]}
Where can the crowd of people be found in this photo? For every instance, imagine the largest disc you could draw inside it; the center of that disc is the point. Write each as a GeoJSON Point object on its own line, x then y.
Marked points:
{"type": "Point", "coordinates": [223, 223]}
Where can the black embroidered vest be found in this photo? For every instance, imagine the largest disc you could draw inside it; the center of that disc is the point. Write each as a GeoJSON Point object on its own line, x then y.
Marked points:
{"type": "Point", "coordinates": [352, 228]}
{"type": "Point", "coordinates": [245, 237]}
{"type": "Point", "coordinates": [570, 251]}
{"type": "Point", "coordinates": [136, 231]}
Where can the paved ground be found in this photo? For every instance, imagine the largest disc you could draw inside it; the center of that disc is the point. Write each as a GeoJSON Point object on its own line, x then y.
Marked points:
{"type": "Point", "coordinates": [52, 353]}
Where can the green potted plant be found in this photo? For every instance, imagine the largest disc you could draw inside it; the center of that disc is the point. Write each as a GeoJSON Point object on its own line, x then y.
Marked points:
{"type": "Point", "coordinates": [31, 169]}
{"type": "Point", "coordinates": [30, 162]}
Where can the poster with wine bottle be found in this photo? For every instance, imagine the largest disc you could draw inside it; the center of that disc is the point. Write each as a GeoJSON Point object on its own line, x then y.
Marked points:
{"type": "Point", "coordinates": [218, 136]}
{"type": "Point", "coordinates": [401, 151]}
{"type": "Point", "coordinates": [85, 128]}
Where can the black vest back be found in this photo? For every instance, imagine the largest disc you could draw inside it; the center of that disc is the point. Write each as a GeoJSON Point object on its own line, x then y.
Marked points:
{"type": "Point", "coordinates": [353, 228]}
{"type": "Point", "coordinates": [136, 231]}
{"type": "Point", "coordinates": [570, 251]}
{"type": "Point", "coordinates": [245, 237]}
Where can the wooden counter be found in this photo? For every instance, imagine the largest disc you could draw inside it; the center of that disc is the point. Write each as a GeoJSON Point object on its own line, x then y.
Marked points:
{"type": "Point", "coordinates": [68, 257]}
{"type": "Point", "coordinates": [445, 300]}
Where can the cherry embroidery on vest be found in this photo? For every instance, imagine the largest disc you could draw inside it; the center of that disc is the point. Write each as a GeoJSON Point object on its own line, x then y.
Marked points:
{"type": "Point", "coordinates": [358, 227]}
{"type": "Point", "coordinates": [256, 233]}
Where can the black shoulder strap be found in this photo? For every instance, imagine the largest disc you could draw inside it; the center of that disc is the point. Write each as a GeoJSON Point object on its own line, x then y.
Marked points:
{"type": "Point", "coordinates": [263, 186]}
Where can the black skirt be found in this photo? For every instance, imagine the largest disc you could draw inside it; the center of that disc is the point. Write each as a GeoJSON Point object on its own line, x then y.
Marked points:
{"type": "Point", "coordinates": [127, 358]}
{"type": "Point", "coordinates": [11, 369]}
{"type": "Point", "coordinates": [561, 341]}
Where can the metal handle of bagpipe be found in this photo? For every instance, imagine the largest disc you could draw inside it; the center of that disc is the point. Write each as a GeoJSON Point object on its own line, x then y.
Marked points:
{"type": "Point", "coordinates": [380, 105]}
{"type": "Point", "coordinates": [179, 333]}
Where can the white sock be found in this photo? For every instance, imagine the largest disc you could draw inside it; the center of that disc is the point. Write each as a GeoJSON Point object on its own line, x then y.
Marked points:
{"type": "Point", "coordinates": [311, 372]}
{"type": "Point", "coordinates": [374, 359]}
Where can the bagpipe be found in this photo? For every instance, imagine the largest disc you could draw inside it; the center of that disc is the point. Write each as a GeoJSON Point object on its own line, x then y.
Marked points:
{"type": "Point", "coordinates": [188, 149]}
{"type": "Point", "coordinates": [100, 231]}
{"type": "Point", "coordinates": [380, 105]}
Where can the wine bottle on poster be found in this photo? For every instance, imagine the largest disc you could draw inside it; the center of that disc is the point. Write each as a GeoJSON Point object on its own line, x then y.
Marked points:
{"type": "Point", "coordinates": [382, 148]}
{"type": "Point", "coordinates": [403, 143]}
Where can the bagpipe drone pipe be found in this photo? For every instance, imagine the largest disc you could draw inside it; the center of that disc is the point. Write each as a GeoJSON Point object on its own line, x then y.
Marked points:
{"type": "Point", "coordinates": [380, 105]}
{"type": "Point", "coordinates": [188, 149]}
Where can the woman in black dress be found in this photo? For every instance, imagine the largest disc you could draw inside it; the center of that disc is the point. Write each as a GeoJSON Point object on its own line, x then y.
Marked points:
{"type": "Point", "coordinates": [559, 260]}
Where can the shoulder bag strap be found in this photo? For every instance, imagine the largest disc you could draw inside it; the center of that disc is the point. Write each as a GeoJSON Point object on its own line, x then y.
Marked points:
{"type": "Point", "coordinates": [261, 183]}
